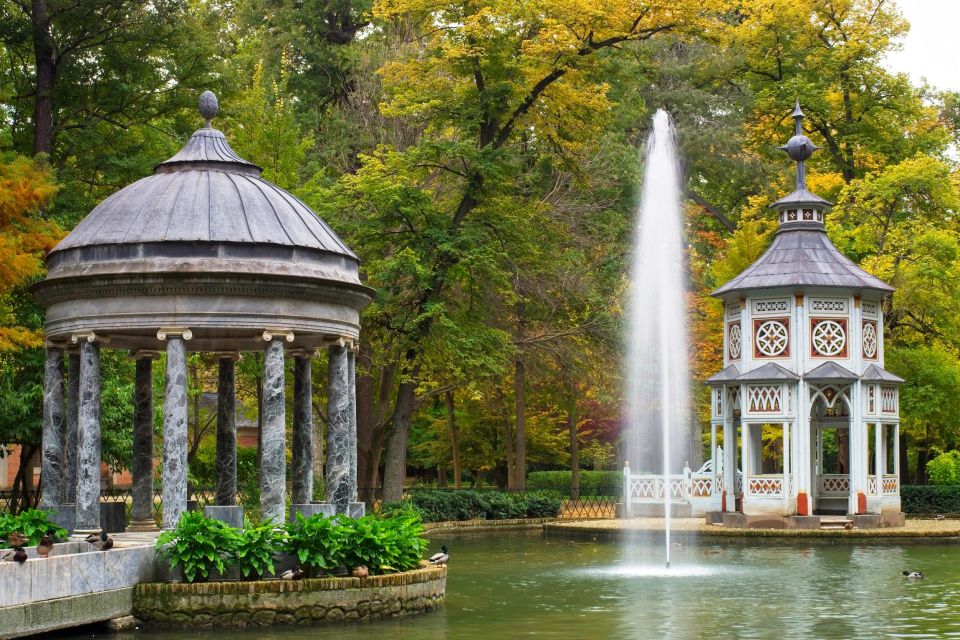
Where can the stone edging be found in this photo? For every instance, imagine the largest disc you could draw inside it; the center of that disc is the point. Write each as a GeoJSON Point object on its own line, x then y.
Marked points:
{"type": "Point", "coordinates": [891, 534]}
{"type": "Point", "coordinates": [480, 525]}
{"type": "Point", "coordinates": [268, 602]}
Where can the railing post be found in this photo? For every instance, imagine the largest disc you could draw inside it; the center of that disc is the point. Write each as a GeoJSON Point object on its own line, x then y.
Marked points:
{"type": "Point", "coordinates": [627, 511]}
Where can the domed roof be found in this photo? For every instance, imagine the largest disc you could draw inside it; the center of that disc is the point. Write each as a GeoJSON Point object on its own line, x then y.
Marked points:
{"type": "Point", "coordinates": [203, 243]}
{"type": "Point", "coordinates": [204, 193]}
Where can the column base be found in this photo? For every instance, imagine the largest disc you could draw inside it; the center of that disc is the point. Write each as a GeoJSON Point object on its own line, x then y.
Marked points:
{"type": "Point", "coordinates": [63, 515]}
{"type": "Point", "coordinates": [143, 524]}
{"type": "Point", "coordinates": [79, 535]}
{"type": "Point", "coordinates": [311, 509]}
{"type": "Point", "coordinates": [229, 514]}
{"type": "Point", "coordinates": [357, 509]}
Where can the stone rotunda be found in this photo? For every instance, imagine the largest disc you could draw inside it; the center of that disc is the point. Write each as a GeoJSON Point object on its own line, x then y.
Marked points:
{"type": "Point", "coordinates": [203, 256]}
{"type": "Point", "coordinates": [803, 390]}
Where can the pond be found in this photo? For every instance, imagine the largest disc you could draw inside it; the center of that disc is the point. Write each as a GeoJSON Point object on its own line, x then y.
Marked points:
{"type": "Point", "coordinates": [512, 585]}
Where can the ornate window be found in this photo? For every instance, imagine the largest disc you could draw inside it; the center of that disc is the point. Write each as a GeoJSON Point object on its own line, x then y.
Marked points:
{"type": "Point", "coordinates": [734, 341]}
{"type": "Point", "coordinates": [766, 398]}
{"type": "Point", "coordinates": [888, 399]}
{"type": "Point", "coordinates": [792, 215]}
{"type": "Point", "coordinates": [870, 340]}
{"type": "Point", "coordinates": [870, 309]}
{"type": "Point", "coordinates": [828, 338]}
{"type": "Point", "coordinates": [808, 214]}
{"type": "Point", "coordinates": [772, 338]}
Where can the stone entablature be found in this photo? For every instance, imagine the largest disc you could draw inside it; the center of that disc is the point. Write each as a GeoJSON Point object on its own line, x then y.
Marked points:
{"type": "Point", "coordinates": [273, 602]}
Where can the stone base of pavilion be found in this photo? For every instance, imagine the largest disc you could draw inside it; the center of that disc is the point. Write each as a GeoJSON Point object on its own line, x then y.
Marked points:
{"type": "Point", "coordinates": [744, 521]}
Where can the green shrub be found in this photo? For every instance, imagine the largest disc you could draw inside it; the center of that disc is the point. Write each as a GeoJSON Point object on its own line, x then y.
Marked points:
{"type": "Point", "coordinates": [382, 545]}
{"type": "Point", "coordinates": [592, 483]}
{"type": "Point", "coordinates": [945, 468]}
{"type": "Point", "coordinates": [255, 549]}
{"type": "Point", "coordinates": [465, 504]}
{"type": "Point", "coordinates": [543, 506]}
{"type": "Point", "coordinates": [314, 542]}
{"type": "Point", "coordinates": [930, 498]}
{"type": "Point", "coordinates": [198, 545]}
{"type": "Point", "coordinates": [32, 523]}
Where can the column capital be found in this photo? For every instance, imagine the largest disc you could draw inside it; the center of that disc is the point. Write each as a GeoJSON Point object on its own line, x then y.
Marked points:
{"type": "Point", "coordinates": [180, 332]}
{"type": "Point", "coordinates": [342, 341]}
{"type": "Point", "coordinates": [88, 336]}
{"type": "Point", "coordinates": [226, 355]}
{"type": "Point", "coordinates": [302, 353]}
{"type": "Point", "coordinates": [55, 344]}
{"type": "Point", "coordinates": [277, 334]}
{"type": "Point", "coordinates": [143, 354]}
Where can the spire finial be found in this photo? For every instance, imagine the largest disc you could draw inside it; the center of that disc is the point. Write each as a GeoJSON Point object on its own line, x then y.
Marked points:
{"type": "Point", "coordinates": [208, 106]}
{"type": "Point", "coordinates": [799, 147]}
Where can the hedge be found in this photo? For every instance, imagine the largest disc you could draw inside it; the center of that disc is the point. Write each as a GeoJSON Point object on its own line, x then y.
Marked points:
{"type": "Point", "coordinates": [930, 498]}
{"type": "Point", "coordinates": [592, 483]}
{"type": "Point", "coordinates": [465, 504]}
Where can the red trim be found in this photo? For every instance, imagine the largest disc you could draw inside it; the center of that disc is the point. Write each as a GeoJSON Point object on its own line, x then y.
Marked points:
{"type": "Point", "coordinates": [861, 503]}
{"type": "Point", "coordinates": [753, 338]}
{"type": "Point", "coordinates": [803, 504]}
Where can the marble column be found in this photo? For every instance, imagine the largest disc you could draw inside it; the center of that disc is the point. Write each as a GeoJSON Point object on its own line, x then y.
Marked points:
{"type": "Point", "coordinates": [273, 461]}
{"type": "Point", "coordinates": [52, 445]}
{"type": "Point", "coordinates": [352, 445]}
{"type": "Point", "coordinates": [302, 429]}
{"type": "Point", "coordinates": [175, 427]}
{"type": "Point", "coordinates": [227, 430]}
{"type": "Point", "coordinates": [338, 429]}
{"type": "Point", "coordinates": [88, 437]}
{"type": "Point", "coordinates": [142, 467]}
{"type": "Point", "coordinates": [70, 439]}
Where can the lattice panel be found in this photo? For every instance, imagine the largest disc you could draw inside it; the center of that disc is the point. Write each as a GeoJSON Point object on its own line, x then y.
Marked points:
{"type": "Point", "coordinates": [701, 487]}
{"type": "Point", "coordinates": [828, 305]}
{"type": "Point", "coordinates": [870, 340]}
{"type": "Point", "coordinates": [834, 484]}
{"type": "Point", "coordinates": [871, 399]}
{"type": "Point", "coordinates": [718, 401]}
{"type": "Point", "coordinates": [870, 309]}
{"type": "Point", "coordinates": [828, 338]}
{"type": "Point", "coordinates": [766, 398]}
{"type": "Point", "coordinates": [890, 485]}
{"type": "Point", "coordinates": [764, 486]}
{"type": "Point", "coordinates": [872, 485]}
{"type": "Point", "coordinates": [888, 400]}
{"type": "Point", "coordinates": [771, 305]}
{"type": "Point", "coordinates": [772, 338]}
{"type": "Point", "coordinates": [643, 488]}
{"type": "Point", "coordinates": [734, 340]}
{"type": "Point", "coordinates": [733, 310]}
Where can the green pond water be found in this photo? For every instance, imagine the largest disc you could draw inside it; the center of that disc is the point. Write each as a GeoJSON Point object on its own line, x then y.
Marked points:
{"type": "Point", "coordinates": [516, 585]}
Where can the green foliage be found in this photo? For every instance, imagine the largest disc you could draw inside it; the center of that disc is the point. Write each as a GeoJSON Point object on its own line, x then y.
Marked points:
{"type": "Point", "coordinates": [945, 468]}
{"type": "Point", "coordinates": [314, 542]}
{"type": "Point", "coordinates": [198, 545]}
{"type": "Point", "coordinates": [32, 523]}
{"type": "Point", "coordinates": [443, 506]}
{"type": "Point", "coordinates": [256, 547]}
{"type": "Point", "coordinates": [592, 483]}
{"type": "Point", "coordinates": [929, 499]}
{"type": "Point", "coordinates": [381, 544]}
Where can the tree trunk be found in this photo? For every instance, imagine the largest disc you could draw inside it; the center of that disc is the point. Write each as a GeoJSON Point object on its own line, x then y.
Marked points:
{"type": "Point", "coordinates": [442, 476]}
{"type": "Point", "coordinates": [520, 429]}
{"type": "Point", "coordinates": [574, 444]}
{"type": "Point", "coordinates": [508, 441]}
{"type": "Point", "coordinates": [923, 456]}
{"type": "Point", "coordinates": [904, 470]}
{"type": "Point", "coordinates": [395, 466]}
{"type": "Point", "coordinates": [46, 67]}
{"type": "Point", "coordinates": [372, 423]}
{"type": "Point", "coordinates": [454, 438]}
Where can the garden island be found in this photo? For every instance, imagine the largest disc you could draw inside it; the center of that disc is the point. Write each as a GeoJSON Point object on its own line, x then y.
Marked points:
{"type": "Point", "coordinates": [459, 319]}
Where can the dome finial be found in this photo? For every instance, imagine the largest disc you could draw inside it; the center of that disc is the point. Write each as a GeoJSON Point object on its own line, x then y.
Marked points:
{"type": "Point", "coordinates": [208, 106]}
{"type": "Point", "coordinates": [799, 147]}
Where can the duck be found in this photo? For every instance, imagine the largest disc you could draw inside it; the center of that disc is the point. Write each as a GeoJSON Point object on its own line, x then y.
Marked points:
{"type": "Point", "coordinates": [292, 574]}
{"type": "Point", "coordinates": [440, 558]}
{"type": "Point", "coordinates": [360, 572]}
{"type": "Point", "coordinates": [16, 539]}
{"type": "Point", "coordinates": [101, 541]}
{"type": "Point", "coordinates": [46, 545]}
{"type": "Point", "coordinates": [913, 575]}
{"type": "Point", "coordinates": [14, 554]}
{"type": "Point", "coordinates": [940, 516]}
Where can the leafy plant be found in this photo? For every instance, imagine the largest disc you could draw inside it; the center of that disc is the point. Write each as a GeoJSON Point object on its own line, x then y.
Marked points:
{"type": "Point", "coordinates": [32, 523]}
{"type": "Point", "coordinates": [198, 545]}
{"type": "Point", "coordinates": [314, 542]}
{"type": "Point", "coordinates": [255, 549]}
{"type": "Point", "coordinates": [945, 468]}
{"type": "Point", "coordinates": [382, 544]}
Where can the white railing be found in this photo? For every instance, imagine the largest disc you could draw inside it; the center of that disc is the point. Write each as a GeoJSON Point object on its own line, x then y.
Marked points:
{"type": "Point", "coordinates": [833, 484]}
{"type": "Point", "coordinates": [701, 486]}
{"type": "Point", "coordinates": [652, 488]}
{"type": "Point", "coordinates": [697, 488]}
{"type": "Point", "coordinates": [767, 486]}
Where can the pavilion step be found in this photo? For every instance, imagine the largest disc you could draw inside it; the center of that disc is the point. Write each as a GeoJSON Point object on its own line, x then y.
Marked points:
{"type": "Point", "coordinates": [835, 523]}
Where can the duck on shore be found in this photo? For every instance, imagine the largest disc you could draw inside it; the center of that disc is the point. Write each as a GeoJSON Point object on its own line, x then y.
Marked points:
{"type": "Point", "coordinates": [16, 539]}
{"type": "Point", "coordinates": [440, 558]}
{"type": "Point", "coordinates": [46, 544]}
{"type": "Point", "coordinates": [101, 541]}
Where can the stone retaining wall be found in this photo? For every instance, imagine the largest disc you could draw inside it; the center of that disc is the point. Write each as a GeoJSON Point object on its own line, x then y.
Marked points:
{"type": "Point", "coordinates": [270, 602]}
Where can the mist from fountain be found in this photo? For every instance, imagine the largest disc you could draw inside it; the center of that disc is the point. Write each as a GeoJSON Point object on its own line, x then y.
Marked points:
{"type": "Point", "coordinates": [657, 376]}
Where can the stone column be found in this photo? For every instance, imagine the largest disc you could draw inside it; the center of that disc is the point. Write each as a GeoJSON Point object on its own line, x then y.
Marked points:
{"type": "Point", "coordinates": [352, 386]}
{"type": "Point", "coordinates": [338, 429]}
{"type": "Point", "coordinates": [70, 439]}
{"type": "Point", "coordinates": [227, 430]}
{"type": "Point", "coordinates": [175, 426]}
{"type": "Point", "coordinates": [51, 462]}
{"type": "Point", "coordinates": [142, 467]}
{"type": "Point", "coordinates": [273, 462]}
{"type": "Point", "coordinates": [88, 437]}
{"type": "Point", "coordinates": [302, 429]}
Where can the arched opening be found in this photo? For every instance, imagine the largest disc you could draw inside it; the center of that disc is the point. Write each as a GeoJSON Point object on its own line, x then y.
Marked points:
{"type": "Point", "coordinates": [830, 446]}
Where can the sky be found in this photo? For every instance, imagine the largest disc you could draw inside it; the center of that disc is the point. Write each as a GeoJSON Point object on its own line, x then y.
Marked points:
{"type": "Point", "coordinates": [930, 50]}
